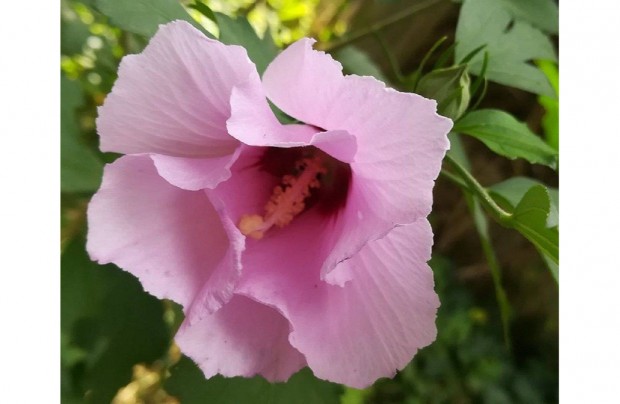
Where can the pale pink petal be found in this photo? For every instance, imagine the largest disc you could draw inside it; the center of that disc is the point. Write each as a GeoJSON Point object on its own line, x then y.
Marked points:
{"type": "Point", "coordinates": [173, 240]}
{"type": "Point", "coordinates": [193, 173]}
{"type": "Point", "coordinates": [400, 140]}
{"type": "Point", "coordinates": [339, 144]}
{"type": "Point", "coordinates": [368, 329]}
{"type": "Point", "coordinates": [304, 83]}
{"type": "Point", "coordinates": [243, 338]}
{"type": "Point", "coordinates": [253, 123]}
{"type": "Point", "coordinates": [248, 188]}
{"type": "Point", "coordinates": [174, 97]}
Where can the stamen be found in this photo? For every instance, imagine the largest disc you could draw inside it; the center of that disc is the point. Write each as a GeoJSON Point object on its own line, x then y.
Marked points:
{"type": "Point", "coordinates": [287, 199]}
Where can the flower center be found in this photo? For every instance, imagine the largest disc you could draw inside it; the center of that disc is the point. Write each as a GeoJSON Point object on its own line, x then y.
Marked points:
{"type": "Point", "coordinates": [287, 199]}
{"type": "Point", "coordinates": [308, 176]}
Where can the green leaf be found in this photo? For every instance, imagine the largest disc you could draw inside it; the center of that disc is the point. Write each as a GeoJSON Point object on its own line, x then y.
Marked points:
{"type": "Point", "coordinates": [513, 189]}
{"type": "Point", "coordinates": [553, 267]}
{"type": "Point", "coordinates": [506, 136]}
{"type": "Point", "coordinates": [551, 119]}
{"type": "Point", "coordinates": [528, 77]}
{"type": "Point", "coordinates": [512, 192]}
{"type": "Point", "coordinates": [542, 14]}
{"type": "Point", "coordinates": [450, 87]}
{"type": "Point", "coordinates": [108, 324]}
{"type": "Point", "coordinates": [80, 168]}
{"type": "Point", "coordinates": [238, 31]}
{"type": "Point", "coordinates": [144, 16]}
{"type": "Point", "coordinates": [355, 396]}
{"type": "Point", "coordinates": [530, 219]}
{"type": "Point", "coordinates": [511, 44]}
{"type": "Point", "coordinates": [356, 61]}
{"type": "Point", "coordinates": [73, 35]}
{"type": "Point", "coordinates": [204, 10]}
{"type": "Point", "coordinates": [188, 384]}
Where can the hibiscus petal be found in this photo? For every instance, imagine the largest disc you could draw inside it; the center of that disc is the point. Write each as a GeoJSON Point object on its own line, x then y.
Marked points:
{"type": "Point", "coordinates": [400, 141]}
{"type": "Point", "coordinates": [172, 240]}
{"type": "Point", "coordinates": [368, 329]}
{"type": "Point", "coordinates": [174, 97]}
{"type": "Point", "coordinates": [253, 123]}
{"type": "Point", "coordinates": [243, 338]}
{"type": "Point", "coordinates": [195, 173]}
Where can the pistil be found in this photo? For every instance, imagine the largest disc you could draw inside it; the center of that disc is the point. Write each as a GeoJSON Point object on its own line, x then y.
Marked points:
{"type": "Point", "coordinates": [287, 200]}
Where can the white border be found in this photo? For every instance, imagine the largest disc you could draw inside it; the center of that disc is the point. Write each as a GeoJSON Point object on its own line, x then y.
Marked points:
{"type": "Point", "coordinates": [30, 201]}
{"type": "Point", "coordinates": [589, 243]}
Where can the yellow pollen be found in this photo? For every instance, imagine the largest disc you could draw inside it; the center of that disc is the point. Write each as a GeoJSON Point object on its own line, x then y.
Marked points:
{"type": "Point", "coordinates": [287, 199]}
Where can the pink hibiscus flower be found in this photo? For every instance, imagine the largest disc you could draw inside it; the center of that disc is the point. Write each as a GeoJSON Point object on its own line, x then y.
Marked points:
{"type": "Point", "coordinates": [287, 245]}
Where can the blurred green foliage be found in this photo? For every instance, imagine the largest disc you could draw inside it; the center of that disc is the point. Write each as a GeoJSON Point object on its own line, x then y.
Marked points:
{"type": "Point", "coordinates": [116, 340]}
{"type": "Point", "coordinates": [468, 363]}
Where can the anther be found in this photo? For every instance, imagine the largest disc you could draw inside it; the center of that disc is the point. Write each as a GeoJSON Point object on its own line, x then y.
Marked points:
{"type": "Point", "coordinates": [287, 199]}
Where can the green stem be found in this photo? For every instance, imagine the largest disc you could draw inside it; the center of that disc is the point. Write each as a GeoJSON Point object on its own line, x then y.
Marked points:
{"type": "Point", "coordinates": [482, 227]}
{"type": "Point", "coordinates": [407, 12]}
{"type": "Point", "coordinates": [474, 186]}
{"type": "Point", "coordinates": [454, 179]}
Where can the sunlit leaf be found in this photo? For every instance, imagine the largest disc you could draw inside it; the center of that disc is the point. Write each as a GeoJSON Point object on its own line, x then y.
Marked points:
{"type": "Point", "coordinates": [511, 44]}
{"type": "Point", "coordinates": [144, 16]}
{"type": "Point", "coordinates": [506, 136]}
{"type": "Point", "coordinates": [551, 119]}
{"type": "Point", "coordinates": [204, 10]}
{"type": "Point", "coordinates": [80, 168]}
{"type": "Point", "coordinates": [238, 31]}
{"type": "Point", "coordinates": [188, 384]}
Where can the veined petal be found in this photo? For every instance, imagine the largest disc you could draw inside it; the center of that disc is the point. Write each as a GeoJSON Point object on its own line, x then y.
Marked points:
{"type": "Point", "coordinates": [174, 97]}
{"type": "Point", "coordinates": [368, 329]}
{"type": "Point", "coordinates": [303, 83]}
{"type": "Point", "coordinates": [253, 123]}
{"type": "Point", "coordinates": [243, 338]}
{"type": "Point", "coordinates": [173, 240]}
{"type": "Point", "coordinates": [400, 140]}
{"type": "Point", "coordinates": [193, 173]}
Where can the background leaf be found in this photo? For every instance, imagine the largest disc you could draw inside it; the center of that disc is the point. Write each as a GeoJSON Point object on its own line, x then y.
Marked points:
{"type": "Point", "coordinates": [513, 190]}
{"type": "Point", "coordinates": [75, 33]}
{"type": "Point", "coordinates": [109, 322]}
{"type": "Point", "coordinates": [542, 14]}
{"type": "Point", "coordinates": [188, 384]}
{"type": "Point", "coordinates": [530, 219]}
{"type": "Point", "coordinates": [238, 31]}
{"type": "Point", "coordinates": [144, 16]}
{"type": "Point", "coordinates": [355, 61]}
{"type": "Point", "coordinates": [80, 168]}
{"type": "Point", "coordinates": [511, 43]}
{"type": "Point", "coordinates": [449, 87]}
{"type": "Point", "coordinates": [481, 223]}
{"type": "Point", "coordinates": [506, 136]}
{"type": "Point", "coordinates": [551, 120]}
